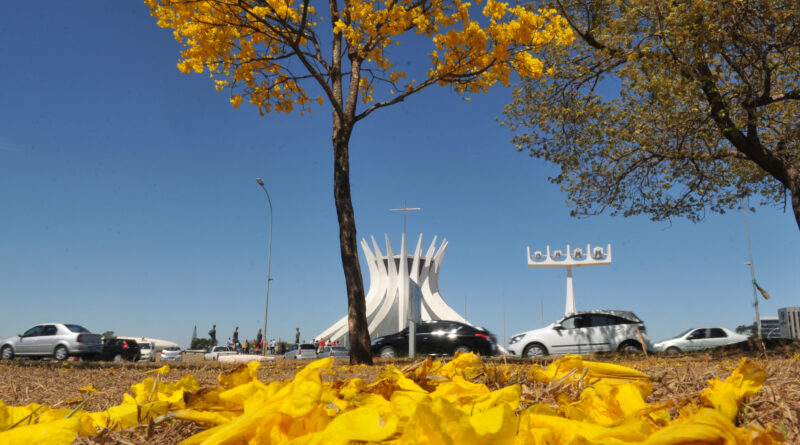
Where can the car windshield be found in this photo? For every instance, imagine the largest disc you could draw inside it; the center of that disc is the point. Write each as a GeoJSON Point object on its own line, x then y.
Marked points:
{"type": "Point", "coordinates": [172, 348]}
{"type": "Point", "coordinates": [308, 346]}
{"type": "Point", "coordinates": [683, 333]}
{"type": "Point", "coordinates": [77, 328]}
{"type": "Point", "coordinates": [144, 345]}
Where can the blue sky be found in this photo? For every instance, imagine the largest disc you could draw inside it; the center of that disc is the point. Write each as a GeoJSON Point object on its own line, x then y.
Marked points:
{"type": "Point", "coordinates": [128, 202]}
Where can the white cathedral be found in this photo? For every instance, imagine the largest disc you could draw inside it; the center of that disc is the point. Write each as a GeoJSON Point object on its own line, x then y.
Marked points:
{"type": "Point", "coordinates": [402, 286]}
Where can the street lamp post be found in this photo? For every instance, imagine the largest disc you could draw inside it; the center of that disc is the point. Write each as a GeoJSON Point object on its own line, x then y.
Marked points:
{"type": "Point", "coordinates": [265, 340]}
{"type": "Point", "coordinates": [752, 273]}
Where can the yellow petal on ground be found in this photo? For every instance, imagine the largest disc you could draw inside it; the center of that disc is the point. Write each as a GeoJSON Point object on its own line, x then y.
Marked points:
{"type": "Point", "coordinates": [89, 388]}
{"type": "Point", "coordinates": [508, 396]}
{"type": "Point", "coordinates": [404, 403]}
{"type": "Point", "coordinates": [368, 423]}
{"type": "Point", "coordinates": [295, 410]}
{"type": "Point", "coordinates": [51, 433]}
{"type": "Point", "coordinates": [239, 375]}
{"type": "Point", "coordinates": [572, 368]}
{"type": "Point", "coordinates": [727, 396]}
{"type": "Point", "coordinates": [10, 415]}
{"type": "Point", "coordinates": [234, 398]}
{"type": "Point", "coordinates": [352, 388]}
{"type": "Point", "coordinates": [495, 426]}
{"type": "Point", "coordinates": [438, 422]}
{"type": "Point", "coordinates": [706, 427]}
{"type": "Point", "coordinates": [207, 417]}
{"type": "Point", "coordinates": [609, 405]}
{"type": "Point", "coordinates": [568, 431]}
{"type": "Point", "coordinates": [467, 365]}
{"type": "Point", "coordinates": [460, 391]}
{"type": "Point", "coordinates": [162, 370]}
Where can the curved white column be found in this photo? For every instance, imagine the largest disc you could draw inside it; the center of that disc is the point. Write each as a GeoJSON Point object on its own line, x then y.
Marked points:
{"type": "Point", "coordinates": [394, 280]}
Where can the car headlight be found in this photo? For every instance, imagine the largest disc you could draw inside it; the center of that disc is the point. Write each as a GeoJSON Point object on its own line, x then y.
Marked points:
{"type": "Point", "coordinates": [516, 338]}
{"type": "Point", "coordinates": [376, 340]}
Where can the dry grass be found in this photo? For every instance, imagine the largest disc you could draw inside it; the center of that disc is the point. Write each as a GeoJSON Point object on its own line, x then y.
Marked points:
{"type": "Point", "coordinates": [679, 378]}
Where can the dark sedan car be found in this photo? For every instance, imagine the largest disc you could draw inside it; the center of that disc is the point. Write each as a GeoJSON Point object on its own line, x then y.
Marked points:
{"type": "Point", "coordinates": [437, 337]}
{"type": "Point", "coordinates": [119, 349]}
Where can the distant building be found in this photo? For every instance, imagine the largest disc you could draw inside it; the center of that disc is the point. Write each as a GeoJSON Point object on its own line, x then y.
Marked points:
{"type": "Point", "coordinates": [770, 327]}
{"type": "Point", "coordinates": [789, 320]}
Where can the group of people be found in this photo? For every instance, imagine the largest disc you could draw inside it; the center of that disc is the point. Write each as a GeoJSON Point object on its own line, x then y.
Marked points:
{"type": "Point", "coordinates": [255, 346]}
{"type": "Point", "coordinates": [320, 344]}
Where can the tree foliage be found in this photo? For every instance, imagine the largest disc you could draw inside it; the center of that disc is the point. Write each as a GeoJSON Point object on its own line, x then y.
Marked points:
{"type": "Point", "coordinates": [706, 114]}
{"type": "Point", "coordinates": [282, 55]}
{"type": "Point", "coordinates": [200, 343]}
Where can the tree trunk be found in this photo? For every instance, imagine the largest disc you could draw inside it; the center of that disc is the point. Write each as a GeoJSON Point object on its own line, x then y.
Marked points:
{"type": "Point", "coordinates": [356, 303]}
{"type": "Point", "coordinates": [795, 194]}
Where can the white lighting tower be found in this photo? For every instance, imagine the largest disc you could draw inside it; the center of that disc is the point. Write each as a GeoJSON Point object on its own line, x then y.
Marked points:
{"type": "Point", "coordinates": [573, 258]}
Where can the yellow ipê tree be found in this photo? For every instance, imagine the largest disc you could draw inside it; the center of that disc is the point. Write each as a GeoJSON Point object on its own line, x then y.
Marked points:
{"type": "Point", "coordinates": [271, 52]}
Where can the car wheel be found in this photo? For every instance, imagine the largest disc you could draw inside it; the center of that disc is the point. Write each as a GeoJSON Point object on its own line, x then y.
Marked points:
{"type": "Point", "coordinates": [60, 353]}
{"type": "Point", "coordinates": [534, 350]}
{"type": "Point", "coordinates": [630, 346]}
{"type": "Point", "coordinates": [673, 350]}
{"type": "Point", "coordinates": [117, 358]}
{"type": "Point", "coordinates": [388, 351]}
{"type": "Point", "coordinates": [7, 353]}
{"type": "Point", "coordinates": [462, 349]}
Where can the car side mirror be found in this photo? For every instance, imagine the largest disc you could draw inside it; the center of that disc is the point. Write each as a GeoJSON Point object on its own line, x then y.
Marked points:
{"type": "Point", "coordinates": [558, 327]}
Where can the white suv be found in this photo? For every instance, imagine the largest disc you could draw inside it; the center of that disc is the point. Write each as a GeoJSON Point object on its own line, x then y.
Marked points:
{"type": "Point", "coordinates": [583, 332]}
{"type": "Point", "coordinates": [147, 351]}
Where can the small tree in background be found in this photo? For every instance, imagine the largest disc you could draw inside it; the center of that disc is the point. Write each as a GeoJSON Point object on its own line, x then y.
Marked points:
{"type": "Point", "coordinates": [200, 343]}
{"type": "Point", "coordinates": [273, 52]}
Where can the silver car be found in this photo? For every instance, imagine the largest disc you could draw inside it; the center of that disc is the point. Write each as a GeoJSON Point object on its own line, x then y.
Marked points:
{"type": "Point", "coordinates": [57, 340]}
{"type": "Point", "coordinates": [301, 351]}
{"type": "Point", "coordinates": [335, 352]}
{"type": "Point", "coordinates": [583, 332]}
{"type": "Point", "coordinates": [171, 353]}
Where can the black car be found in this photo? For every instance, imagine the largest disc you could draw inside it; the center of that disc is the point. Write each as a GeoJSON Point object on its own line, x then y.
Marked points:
{"type": "Point", "coordinates": [118, 349]}
{"type": "Point", "coordinates": [437, 337]}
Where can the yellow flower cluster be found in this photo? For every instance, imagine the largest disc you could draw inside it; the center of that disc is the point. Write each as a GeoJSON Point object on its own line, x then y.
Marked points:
{"type": "Point", "coordinates": [252, 44]}
{"type": "Point", "coordinates": [434, 403]}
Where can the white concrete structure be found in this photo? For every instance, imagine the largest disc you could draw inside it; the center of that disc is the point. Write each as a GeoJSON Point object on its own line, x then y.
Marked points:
{"type": "Point", "coordinates": [401, 287]}
{"type": "Point", "coordinates": [573, 258]}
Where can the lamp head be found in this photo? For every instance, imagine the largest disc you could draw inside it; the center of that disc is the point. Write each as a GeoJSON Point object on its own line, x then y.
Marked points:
{"type": "Point", "coordinates": [260, 182]}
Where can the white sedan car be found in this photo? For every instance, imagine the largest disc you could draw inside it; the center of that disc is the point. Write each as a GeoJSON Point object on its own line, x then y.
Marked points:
{"type": "Point", "coordinates": [696, 339]}
{"type": "Point", "coordinates": [217, 351]}
{"type": "Point", "coordinates": [583, 332]}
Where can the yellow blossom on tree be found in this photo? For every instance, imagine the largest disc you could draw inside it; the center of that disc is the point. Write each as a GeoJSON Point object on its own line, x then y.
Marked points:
{"type": "Point", "coordinates": [277, 53]}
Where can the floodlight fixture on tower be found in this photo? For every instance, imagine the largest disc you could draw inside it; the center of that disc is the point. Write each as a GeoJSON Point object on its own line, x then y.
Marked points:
{"type": "Point", "coordinates": [572, 258]}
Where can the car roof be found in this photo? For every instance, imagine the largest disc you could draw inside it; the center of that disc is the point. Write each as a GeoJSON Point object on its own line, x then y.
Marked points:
{"type": "Point", "coordinates": [626, 314]}
{"type": "Point", "coordinates": [442, 321]}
